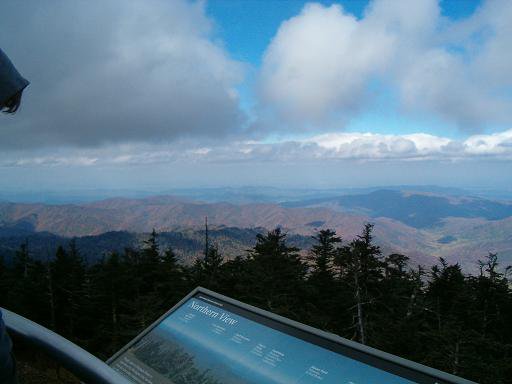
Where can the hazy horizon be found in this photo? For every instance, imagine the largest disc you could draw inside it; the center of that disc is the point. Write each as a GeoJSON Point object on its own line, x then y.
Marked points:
{"type": "Point", "coordinates": [236, 194]}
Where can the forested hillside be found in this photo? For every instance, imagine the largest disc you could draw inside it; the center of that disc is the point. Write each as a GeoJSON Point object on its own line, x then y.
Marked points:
{"type": "Point", "coordinates": [187, 244]}
{"type": "Point", "coordinates": [425, 226]}
{"type": "Point", "coordinates": [439, 317]}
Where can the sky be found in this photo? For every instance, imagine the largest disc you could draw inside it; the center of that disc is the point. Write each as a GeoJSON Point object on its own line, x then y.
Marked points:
{"type": "Point", "coordinates": [177, 93]}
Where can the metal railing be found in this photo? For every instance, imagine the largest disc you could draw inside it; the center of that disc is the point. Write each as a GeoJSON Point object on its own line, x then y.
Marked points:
{"type": "Point", "coordinates": [78, 361]}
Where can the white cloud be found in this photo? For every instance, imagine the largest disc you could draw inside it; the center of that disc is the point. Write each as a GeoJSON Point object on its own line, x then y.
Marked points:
{"type": "Point", "coordinates": [324, 63]}
{"type": "Point", "coordinates": [498, 144]}
{"type": "Point", "coordinates": [319, 62]}
{"type": "Point", "coordinates": [377, 146]}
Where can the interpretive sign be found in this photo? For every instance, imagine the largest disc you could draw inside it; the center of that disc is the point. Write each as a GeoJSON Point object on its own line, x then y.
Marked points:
{"type": "Point", "coordinates": [210, 339]}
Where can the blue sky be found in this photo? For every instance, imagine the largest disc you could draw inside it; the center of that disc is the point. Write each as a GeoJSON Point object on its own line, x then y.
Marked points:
{"type": "Point", "coordinates": [173, 93]}
{"type": "Point", "coordinates": [246, 27]}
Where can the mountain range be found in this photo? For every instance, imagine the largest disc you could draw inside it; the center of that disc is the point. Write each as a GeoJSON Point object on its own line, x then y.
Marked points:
{"type": "Point", "coordinates": [421, 224]}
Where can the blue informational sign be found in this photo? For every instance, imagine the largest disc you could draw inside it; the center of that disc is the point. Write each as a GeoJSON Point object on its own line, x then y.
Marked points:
{"type": "Point", "coordinates": [209, 341]}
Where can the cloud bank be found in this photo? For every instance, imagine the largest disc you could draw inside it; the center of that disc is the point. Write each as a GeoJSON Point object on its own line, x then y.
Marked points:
{"type": "Point", "coordinates": [117, 71]}
{"type": "Point", "coordinates": [361, 147]}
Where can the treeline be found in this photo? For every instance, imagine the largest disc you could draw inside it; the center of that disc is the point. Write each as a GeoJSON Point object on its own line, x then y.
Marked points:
{"type": "Point", "coordinates": [440, 317]}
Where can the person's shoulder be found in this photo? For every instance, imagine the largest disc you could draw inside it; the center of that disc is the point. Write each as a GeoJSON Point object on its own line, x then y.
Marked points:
{"type": "Point", "coordinates": [11, 80]}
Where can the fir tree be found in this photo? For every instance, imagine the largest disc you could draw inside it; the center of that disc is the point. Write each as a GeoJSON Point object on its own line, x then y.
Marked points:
{"type": "Point", "coordinates": [322, 256]}
{"type": "Point", "coordinates": [276, 273]}
{"type": "Point", "coordinates": [361, 270]}
{"type": "Point", "coordinates": [25, 285]}
{"type": "Point", "coordinates": [67, 281]}
{"type": "Point", "coordinates": [171, 285]}
{"type": "Point", "coordinates": [321, 280]}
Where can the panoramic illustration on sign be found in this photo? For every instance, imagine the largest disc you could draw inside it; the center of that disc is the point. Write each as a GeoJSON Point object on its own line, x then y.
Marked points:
{"type": "Point", "coordinates": [204, 343]}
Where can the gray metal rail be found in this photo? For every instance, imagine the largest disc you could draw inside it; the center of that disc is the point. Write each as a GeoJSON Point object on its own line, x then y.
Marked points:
{"type": "Point", "coordinates": [78, 361]}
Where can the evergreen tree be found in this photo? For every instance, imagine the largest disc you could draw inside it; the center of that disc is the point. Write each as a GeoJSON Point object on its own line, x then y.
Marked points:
{"type": "Point", "coordinates": [156, 282]}
{"type": "Point", "coordinates": [322, 256]}
{"type": "Point", "coordinates": [145, 271]}
{"type": "Point", "coordinates": [67, 283]}
{"type": "Point", "coordinates": [398, 313]}
{"type": "Point", "coordinates": [449, 308]}
{"type": "Point", "coordinates": [234, 277]}
{"type": "Point", "coordinates": [205, 270]}
{"type": "Point", "coordinates": [151, 249]}
{"type": "Point", "coordinates": [323, 292]}
{"type": "Point", "coordinates": [171, 285]}
{"type": "Point", "coordinates": [211, 265]}
{"type": "Point", "coordinates": [276, 274]}
{"type": "Point", "coordinates": [3, 278]}
{"type": "Point", "coordinates": [361, 270]}
{"type": "Point", "coordinates": [134, 308]}
{"type": "Point", "coordinates": [25, 286]}
{"type": "Point", "coordinates": [482, 355]}
{"type": "Point", "coordinates": [110, 286]}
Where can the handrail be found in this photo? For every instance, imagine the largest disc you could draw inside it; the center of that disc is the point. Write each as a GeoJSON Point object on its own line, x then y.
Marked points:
{"type": "Point", "coordinates": [78, 361]}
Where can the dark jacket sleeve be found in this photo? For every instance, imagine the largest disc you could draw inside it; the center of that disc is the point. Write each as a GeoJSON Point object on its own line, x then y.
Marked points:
{"type": "Point", "coordinates": [7, 371]}
{"type": "Point", "coordinates": [11, 82]}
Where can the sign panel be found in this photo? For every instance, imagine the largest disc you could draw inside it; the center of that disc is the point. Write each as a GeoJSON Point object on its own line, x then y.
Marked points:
{"type": "Point", "coordinates": [210, 339]}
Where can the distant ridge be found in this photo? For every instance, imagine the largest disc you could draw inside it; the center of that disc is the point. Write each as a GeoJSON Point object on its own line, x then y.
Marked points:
{"type": "Point", "coordinates": [422, 225]}
{"type": "Point", "coordinates": [235, 195]}
{"type": "Point", "coordinates": [419, 210]}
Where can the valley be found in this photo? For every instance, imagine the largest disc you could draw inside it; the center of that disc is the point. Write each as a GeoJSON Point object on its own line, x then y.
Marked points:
{"type": "Point", "coordinates": [425, 226]}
